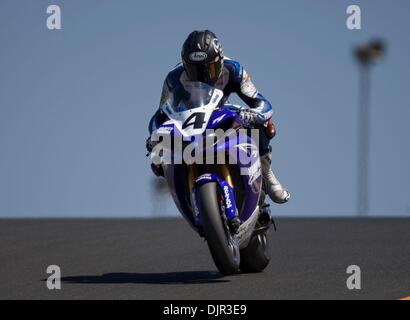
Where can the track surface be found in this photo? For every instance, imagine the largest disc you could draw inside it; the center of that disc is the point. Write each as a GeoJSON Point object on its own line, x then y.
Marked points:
{"type": "Point", "coordinates": [165, 259]}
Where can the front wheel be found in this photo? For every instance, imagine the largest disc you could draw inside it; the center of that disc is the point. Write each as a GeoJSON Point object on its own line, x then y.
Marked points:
{"type": "Point", "coordinates": [224, 249]}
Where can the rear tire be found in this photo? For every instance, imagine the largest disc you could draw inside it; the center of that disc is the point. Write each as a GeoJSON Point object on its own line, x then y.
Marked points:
{"type": "Point", "coordinates": [255, 257]}
{"type": "Point", "coordinates": [223, 248]}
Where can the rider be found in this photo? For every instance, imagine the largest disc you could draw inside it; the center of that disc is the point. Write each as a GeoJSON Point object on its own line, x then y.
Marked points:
{"type": "Point", "coordinates": [203, 60]}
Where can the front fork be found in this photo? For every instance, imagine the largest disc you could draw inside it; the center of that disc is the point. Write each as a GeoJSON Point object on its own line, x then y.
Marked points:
{"type": "Point", "coordinates": [226, 185]}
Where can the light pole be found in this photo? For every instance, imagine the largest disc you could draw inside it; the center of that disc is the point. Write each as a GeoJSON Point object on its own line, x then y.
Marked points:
{"type": "Point", "coordinates": [365, 55]}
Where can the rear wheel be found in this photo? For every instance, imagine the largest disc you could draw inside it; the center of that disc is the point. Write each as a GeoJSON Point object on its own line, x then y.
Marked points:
{"type": "Point", "coordinates": [223, 248]}
{"type": "Point", "coordinates": [255, 257]}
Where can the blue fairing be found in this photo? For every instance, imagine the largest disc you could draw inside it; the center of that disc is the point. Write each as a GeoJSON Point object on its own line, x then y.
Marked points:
{"type": "Point", "coordinates": [219, 117]}
{"type": "Point", "coordinates": [240, 146]}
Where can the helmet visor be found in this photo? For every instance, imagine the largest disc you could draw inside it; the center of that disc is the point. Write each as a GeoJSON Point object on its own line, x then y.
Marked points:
{"type": "Point", "coordinates": [205, 72]}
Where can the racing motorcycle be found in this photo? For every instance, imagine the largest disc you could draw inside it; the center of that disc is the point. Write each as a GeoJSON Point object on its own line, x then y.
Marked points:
{"type": "Point", "coordinates": [219, 199]}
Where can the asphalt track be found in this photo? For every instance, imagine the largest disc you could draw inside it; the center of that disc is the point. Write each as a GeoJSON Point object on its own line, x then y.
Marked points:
{"type": "Point", "coordinates": [165, 259]}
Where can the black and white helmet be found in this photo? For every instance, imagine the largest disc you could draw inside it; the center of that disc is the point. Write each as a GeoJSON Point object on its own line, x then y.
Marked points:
{"type": "Point", "coordinates": [202, 57]}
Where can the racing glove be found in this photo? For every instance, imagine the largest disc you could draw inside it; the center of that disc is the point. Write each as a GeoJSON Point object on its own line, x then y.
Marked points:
{"type": "Point", "coordinates": [250, 118]}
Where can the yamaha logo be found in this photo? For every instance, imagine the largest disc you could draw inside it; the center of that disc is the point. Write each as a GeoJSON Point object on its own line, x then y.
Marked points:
{"type": "Point", "coordinates": [198, 56]}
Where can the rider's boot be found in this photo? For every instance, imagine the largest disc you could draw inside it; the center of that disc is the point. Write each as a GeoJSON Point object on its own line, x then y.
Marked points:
{"type": "Point", "coordinates": [273, 187]}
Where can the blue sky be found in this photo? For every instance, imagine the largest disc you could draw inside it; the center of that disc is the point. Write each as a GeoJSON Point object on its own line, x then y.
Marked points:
{"type": "Point", "coordinates": [75, 103]}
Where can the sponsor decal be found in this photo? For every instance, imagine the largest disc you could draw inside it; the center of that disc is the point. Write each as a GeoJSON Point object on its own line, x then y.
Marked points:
{"type": "Point", "coordinates": [215, 98]}
{"type": "Point", "coordinates": [164, 130]}
{"type": "Point", "coordinates": [248, 88]}
{"type": "Point", "coordinates": [218, 119]}
{"type": "Point", "coordinates": [206, 176]}
{"type": "Point", "coordinates": [254, 172]}
{"type": "Point", "coordinates": [228, 202]}
{"type": "Point", "coordinates": [198, 56]}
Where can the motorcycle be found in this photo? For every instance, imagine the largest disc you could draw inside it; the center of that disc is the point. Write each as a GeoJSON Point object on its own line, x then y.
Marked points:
{"type": "Point", "coordinates": [219, 200]}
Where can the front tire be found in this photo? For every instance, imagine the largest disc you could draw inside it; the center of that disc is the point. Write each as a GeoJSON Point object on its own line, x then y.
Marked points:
{"type": "Point", "coordinates": [223, 248]}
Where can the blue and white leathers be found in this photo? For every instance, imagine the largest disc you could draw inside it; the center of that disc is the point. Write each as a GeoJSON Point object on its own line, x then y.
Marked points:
{"type": "Point", "coordinates": [234, 79]}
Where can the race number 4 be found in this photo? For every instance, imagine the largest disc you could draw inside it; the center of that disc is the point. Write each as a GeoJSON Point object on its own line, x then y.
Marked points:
{"type": "Point", "coordinates": [196, 120]}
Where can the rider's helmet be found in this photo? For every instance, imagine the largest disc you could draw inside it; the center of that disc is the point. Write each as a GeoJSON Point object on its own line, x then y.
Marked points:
{"type": "Point", "coordinates": [202, 57]}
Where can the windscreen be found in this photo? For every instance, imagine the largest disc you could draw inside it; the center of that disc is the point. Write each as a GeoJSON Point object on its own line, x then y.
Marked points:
{"type": "Point", "coordinates": [189, 96]}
